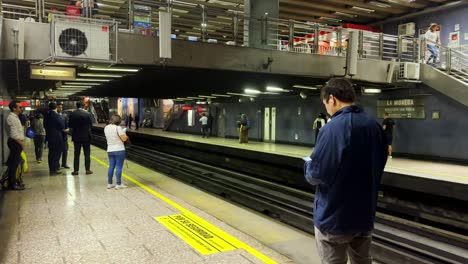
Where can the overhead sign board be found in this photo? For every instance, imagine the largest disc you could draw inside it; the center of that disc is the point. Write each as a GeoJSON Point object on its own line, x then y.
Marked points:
{"type": "Point", "coordinates": [409, 108]}
{"type": "Point", "coordinates": [53, 73]}
{"type": "Point", "coordinates": [141, 24]}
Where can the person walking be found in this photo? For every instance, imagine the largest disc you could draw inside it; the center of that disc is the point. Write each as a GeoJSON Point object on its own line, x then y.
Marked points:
{"type": "Point", "coordinates": [115, 137]}
{"type": "Point", "coordinates": [54, 134]}
{"type": "Point", "coordinates": [39, 137]}
{"type": "Point", "coordinates": [388, 126]}
{"type": "Point", "coordinates": [15, 142]}
{"type": "Point", "coordinates": [433, 42]}
{"type": "Point", "coordinates": [346, 167]}
{"type": "Point", "coordinates": [80, 124]}
{"type": "Point", "coordinates": [129, 121]}
{"type": "Point", "coordinates": [137, 121]}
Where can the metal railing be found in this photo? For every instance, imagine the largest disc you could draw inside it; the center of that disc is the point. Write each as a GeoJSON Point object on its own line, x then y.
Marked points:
{"type": "Point", "coordinates": [452, 60]}
{"type": "Point", "coordinates": [213, 23]}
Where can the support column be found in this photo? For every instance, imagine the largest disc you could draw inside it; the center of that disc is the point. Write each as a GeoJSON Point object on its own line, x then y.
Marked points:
{"type": "Point", "coordinates": [259, 32]}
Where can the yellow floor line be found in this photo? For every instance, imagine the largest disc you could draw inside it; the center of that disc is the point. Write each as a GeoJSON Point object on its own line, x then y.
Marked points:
{"type": "Point", "coordinates": [234, 241]}
{"type": "Point", "coordinates": [428, 173]}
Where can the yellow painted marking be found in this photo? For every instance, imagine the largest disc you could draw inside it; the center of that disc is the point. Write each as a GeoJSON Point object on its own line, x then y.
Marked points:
{"type": "Point", "coordinates": [196, 235]}
{"type": "Point", "coordinates": [234, 242]}
{"type": "Point", "coordinates": [428, 173]}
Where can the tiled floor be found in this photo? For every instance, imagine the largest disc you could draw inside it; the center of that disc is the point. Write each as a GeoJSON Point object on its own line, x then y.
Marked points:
{"type": "Point", "coordinates": [423, 169]}
{"type": "Point", "coordinates": [75, 219]}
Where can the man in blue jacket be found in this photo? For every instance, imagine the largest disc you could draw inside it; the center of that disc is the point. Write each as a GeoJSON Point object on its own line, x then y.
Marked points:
{"type": "Point", "coordinates": [346, 166]}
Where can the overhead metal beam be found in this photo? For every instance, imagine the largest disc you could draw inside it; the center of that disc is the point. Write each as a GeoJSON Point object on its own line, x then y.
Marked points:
{"type": "Point", "coordinates": [328, 8]}
{"type": "Point", "coordinates": [393, 10]}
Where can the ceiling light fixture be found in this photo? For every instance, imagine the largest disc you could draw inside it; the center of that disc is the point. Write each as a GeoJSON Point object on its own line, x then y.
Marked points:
{"type": "Point", "coordinates": [84, 83]}
{"type": "Point", "coordinates": [92, 80]}
{"type": "Point", "coordinates": [75, 86]}
{"type": "Point", "coordinates": [247, 95]}
{"type": "Point", "coordinates": [94, 68]}
{"type": "Point", "coordinates": [100, 75]}
{"type": "Point", "coordinates": [251, 91]}
{"type": "Point", "coordinates": [379, 4]}
{"type": "Point", "coordinates": [207, 96]}
{"type": "Point", "coordinates": [371, 91]}
{"type": "Point", "coordinates": [276, 89]}
{"type": "Point", "coordinates": [362, 9]}
{"type": "Point", "coordinates": [345, 14]}
{"type": "Point", "coordinates": [220, 95]}
{"type": "Point", "coordinates": [305, 87]}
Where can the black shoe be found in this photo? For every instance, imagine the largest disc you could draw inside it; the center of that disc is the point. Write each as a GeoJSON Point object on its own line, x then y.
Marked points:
{"type": "Point", "coordinates": [16, 188]}
{"type": "Point", "coordinates": [65, 166]}
{"type": "Point", "coordinates": [75, 173]}
{"type": "Point", "coordinates": [89, 172]}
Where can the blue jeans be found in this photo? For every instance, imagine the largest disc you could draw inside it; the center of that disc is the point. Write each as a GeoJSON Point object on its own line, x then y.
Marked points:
{"type": "Point", "coordinates": [434, 52]}
{"type": "Point", "coordinates": [116, 160]}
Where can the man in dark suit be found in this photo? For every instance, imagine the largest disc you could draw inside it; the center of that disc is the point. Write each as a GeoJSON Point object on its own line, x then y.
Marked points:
{"type": "Point", "coordinates": [80, 124]}
{"type": "Point", "coordinates": [54, 135]}
{"type": "Point", "coordinates": [65, 137]}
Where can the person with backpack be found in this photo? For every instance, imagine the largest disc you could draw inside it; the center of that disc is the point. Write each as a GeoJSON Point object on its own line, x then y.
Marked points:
{"type": "Point", "coordinates": [318, 124]}
{"type": "Point", "coordinates": [244, 129]}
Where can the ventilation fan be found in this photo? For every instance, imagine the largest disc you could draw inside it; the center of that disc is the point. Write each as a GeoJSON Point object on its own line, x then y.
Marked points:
{"type": "Point", "coordinates": [82, 40]}
{"type": "Point", "coordinates": [73, 42]}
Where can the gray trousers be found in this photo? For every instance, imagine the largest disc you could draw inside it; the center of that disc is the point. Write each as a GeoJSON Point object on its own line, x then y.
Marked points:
{"type": "Point", "coordinates": [335, 249]}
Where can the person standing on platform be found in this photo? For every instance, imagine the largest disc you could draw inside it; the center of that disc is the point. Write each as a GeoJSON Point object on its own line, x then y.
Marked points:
{"type": "Point", "coordinates": [80, 124]}
{"type": "Point", "coordinates": [129, 121]}
{"type": "Point", "coordinates": [204, 122]}
{"type": "Point", "coordinates": [137, 121]}
{"type": "Point", "coordinates": [115, 137]}
{"type": "Point", "coordinates": [346, 167]}
{"type": "Point", "coordinates": [39, 136]}
{"type": "Point", "coordinates": [388, 126]}
{"type": "Point", "coordinates": [54, 127]}
{"type": "Point", "coordinates": [65, 137]}
{"type": "Point", "coordinates": [244, 129]}
{"type": "Point", "coordinates": [15, 143]}
{"type": "Point", "coordinates": [318, 124]}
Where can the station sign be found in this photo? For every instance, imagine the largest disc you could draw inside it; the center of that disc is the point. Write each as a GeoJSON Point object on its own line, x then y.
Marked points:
{"type": "Point", "coordinates": [53, 73]}
{"type": "Point", "coordinates": [408, 108]}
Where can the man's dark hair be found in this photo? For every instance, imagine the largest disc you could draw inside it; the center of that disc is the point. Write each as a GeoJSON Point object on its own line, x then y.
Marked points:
{"type": "Point", "coordinates": [52, 106]}
{"type": "Point", "coordinates": [59, 103]}
{"type": "Point", "coordinates": [79, 105]}
{"type": "Point", "coordinates": [12, 105]}
{"type": "Point", "coordinates": [340, 88]}
{"type": "Point", "coordinates": [386, 114]}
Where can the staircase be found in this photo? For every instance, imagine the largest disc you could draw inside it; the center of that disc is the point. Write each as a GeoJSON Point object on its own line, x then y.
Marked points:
{"type": "Point", "coordinates": [451, 78]}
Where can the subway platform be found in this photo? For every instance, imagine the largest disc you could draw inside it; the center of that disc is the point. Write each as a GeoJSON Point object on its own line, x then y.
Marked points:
{"type": "Point", "coordinates": [75, 219]}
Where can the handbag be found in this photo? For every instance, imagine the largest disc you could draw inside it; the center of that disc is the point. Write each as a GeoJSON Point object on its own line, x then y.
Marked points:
{"type": "Point", "coordinates": [127, 143]}
{"type": "Point", "coordinates": [30, 132]}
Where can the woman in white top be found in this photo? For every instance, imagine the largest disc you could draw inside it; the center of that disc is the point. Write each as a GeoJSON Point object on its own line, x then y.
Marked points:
{"type": "Point", "coordinates": [115, 137]}
{"type": "Point", "coordinates": [433, 40]}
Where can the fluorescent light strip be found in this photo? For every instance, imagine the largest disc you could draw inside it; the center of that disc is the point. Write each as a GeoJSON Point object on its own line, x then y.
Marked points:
{"type": "Point", "coordinates": [91, 80]}
{"type": "Point", "coordinates": [251, 91]}
{"type": "Point", "coordinates": [198, 98]}
{"type": "Point", "coordinates": [357, 8]}
{"type": "Point", "coordinates": [93, 68]}
{"type": "Point", "coordinates": [100, 75]}
{"type": "Point", "coordinates": [206, 96]}
{"type": "Point", "coordinates": [345, 14]}
{"type": "Point", "coordinates": [85, 83]}
{"type": "Point", "coordinates": [220, 95]}
{"type": "Point", "coordinates": [247, 95]}
{"type": "Point", "coordinates": [276, 89]}
{"type": "Point", "coordinates": [75, 86]}
{"type": "Point", "coordinates": [372, 91]}
{"type": "Point", "coordinates": [379, 4]}
{"type": "Point", "coordinates": [305, 87]}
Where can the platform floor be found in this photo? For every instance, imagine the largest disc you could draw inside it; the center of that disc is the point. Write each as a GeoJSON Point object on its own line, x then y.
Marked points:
{"type": "Point", "coordinates": [424, 169]}
{"type": "Point", "coordinates": [75, 219]}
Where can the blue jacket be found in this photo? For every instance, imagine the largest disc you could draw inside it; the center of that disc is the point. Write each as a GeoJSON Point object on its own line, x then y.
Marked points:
{"type": "Point", "coordinates": [347, 165]}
